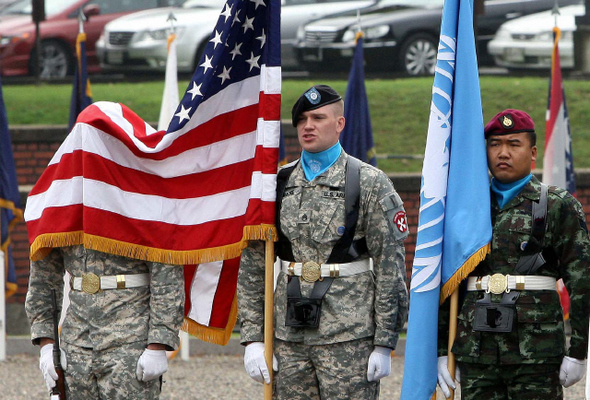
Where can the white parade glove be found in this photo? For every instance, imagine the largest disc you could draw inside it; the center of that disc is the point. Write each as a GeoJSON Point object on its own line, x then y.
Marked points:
{"type": "Point", "coordinates": [151, 365]}
{"type": "Point", "coordinates": [571, 371]}
{"type": "Point", "coordinates": [444, 376]}
{"type": "Point", "coordinates": [255, 363]}
{"type": "Point", "coordinates": [379, 363]}
{"type": "Point", "coordinates": [46, 365]}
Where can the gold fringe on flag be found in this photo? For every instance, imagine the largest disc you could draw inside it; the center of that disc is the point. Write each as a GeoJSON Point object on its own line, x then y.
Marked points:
{"type": "Point", "coordinates": [213, 335]}
{"type": "Point", "coordinates": [463, 272]}
{"type": "Point", "coordinates": [43, 244]}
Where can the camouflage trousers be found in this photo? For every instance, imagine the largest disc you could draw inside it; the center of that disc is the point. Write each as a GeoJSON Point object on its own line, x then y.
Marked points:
{"type": "Point", "coordinates": [335, 371]}
{"type": "Point", "coordinates": [510, 381]}
{"type": "Point", "coordinates": [107, 374]}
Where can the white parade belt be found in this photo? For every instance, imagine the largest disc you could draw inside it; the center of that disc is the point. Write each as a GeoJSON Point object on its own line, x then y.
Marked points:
{"type": "Point", "coordinates": [499, 283]}
{"type": "Point", "coordinates": [311, 271]}
{"type": "Point", "coordinates": [91, 283]}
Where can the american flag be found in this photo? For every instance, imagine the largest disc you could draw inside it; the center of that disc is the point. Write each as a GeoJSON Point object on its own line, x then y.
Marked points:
{"type": "Point", "coordinates": [193, 194]}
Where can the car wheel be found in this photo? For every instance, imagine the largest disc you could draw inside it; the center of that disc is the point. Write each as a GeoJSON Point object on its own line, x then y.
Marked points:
{"type": "Point", "coordinates": [418, 55]}
{"type": "Point", "coordinates": [56, 61]}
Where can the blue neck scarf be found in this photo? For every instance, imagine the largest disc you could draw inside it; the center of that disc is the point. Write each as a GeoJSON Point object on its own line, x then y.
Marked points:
{"type": "Point", "coordinates": [507, 191]}
{"type": "Point", "coordinates": [316, 163]}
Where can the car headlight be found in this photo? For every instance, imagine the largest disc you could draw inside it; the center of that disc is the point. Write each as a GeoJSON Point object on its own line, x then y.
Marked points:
{"type": "Point", "coordinates": [544, 36]}
{"type": "Point", "coordinates": [5, 40]}
{"type": "Point", "coordinates": [376, 32]}
{"type": "Point", "coordinates": [158, 35]}
{"type": "Point", "coordinates": [349, 35]}
{"type": "Point", "coordinates": [300, 34]}
{"type": "Point", "coordinates": [502, 34]}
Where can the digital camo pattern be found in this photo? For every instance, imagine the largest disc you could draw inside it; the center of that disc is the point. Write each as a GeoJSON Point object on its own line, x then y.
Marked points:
{"type": "Point", "coordinates": [109, 319]}
{"type": "Point", "coordinates": [336, 371]}
{"type": "Point", "coordinates": [527, 382]}
{"type": "Point", "coordinates": [107, 374]}
{"type": "Point", "coordinates": [365, 305]}
{"type": "Point", "coordinates": [538, 336]}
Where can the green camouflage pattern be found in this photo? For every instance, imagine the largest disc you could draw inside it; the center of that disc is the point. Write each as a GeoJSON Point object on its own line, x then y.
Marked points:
{"type": "Point", "coordinates": [371, 304]}
{"type": "Point", "coordinates": [107, 374]}
{"type": "Point", "coordinates": [538, 335]}
{"type": "Point", "coordinates": [525, 382]}
{"type": "Point", "coordinates": [109, 318]}
{"type": "Point", "coordinates": [336, 371]}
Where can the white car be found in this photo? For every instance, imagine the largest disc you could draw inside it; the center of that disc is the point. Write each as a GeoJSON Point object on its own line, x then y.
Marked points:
{"type": "Point", "coordinates": [138, 41]}
{"type": "Point", "coordinates": [527, 42]}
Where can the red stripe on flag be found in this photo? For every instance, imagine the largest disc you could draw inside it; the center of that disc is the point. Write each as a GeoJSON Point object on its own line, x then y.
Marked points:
{"type": "Point", "coordinates": [226, 291]}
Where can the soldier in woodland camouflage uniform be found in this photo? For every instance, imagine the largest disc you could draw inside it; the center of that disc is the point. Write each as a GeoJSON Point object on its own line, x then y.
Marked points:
{"type": "Point", "coordinates": [114, 338]}
{"type": "Point", "coordinates": [363, 311]}
{"type": "Point", "coordinates": [530, 360]}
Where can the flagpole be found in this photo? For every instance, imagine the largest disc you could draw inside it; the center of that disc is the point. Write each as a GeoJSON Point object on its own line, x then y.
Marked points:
{"type": "Point", "coordinates": [587, 393]}
{"type": "Point", "coordinates": [268, 312]}
{"type": "Point", "coordinates": [2, 303]}
{"type": "Point", "coordinates": [452, 334]}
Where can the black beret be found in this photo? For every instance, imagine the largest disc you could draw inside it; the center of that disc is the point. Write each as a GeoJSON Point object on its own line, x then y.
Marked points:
{"type": "Point", "coordinates": [315, 97]}
{"type": "Point", "coordinates": [509, 121]}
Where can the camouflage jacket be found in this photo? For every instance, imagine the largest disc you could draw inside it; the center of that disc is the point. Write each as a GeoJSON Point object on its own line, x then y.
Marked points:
{"type": "Point", "coordinates": [538, 335]}
{"type": "Point", "coordinates": [108, 318]}
{"type": "Point", "coordinates": [364, 305]}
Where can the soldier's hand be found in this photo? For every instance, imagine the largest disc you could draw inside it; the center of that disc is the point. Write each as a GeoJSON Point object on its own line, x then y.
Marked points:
{"type": "Point", "coordinates": [571, 371]}
{"type": "Point", "coordinates": [47, 367]}
{"type": "Point", "coordinates": [379, 364]}
{"type": "Point", "coordinates": [255, 363]}
{"type": "Point", "coordinates": [151, 365]}
{"type": "Point", "coordinates": [444, 376]}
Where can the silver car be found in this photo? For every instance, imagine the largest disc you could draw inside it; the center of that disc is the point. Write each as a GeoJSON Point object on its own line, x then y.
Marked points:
{"type": "Point", "coordinates": [138, 41]}
{"type": "Point", "coordinates": [527, 42]}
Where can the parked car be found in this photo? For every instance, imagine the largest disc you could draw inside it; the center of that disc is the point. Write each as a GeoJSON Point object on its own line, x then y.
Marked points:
{"type": "Point", "coordinates": [399, 34]}
{"type": "Point", "coordinates": [137, 42]}
{"type": "Point", "coordinates": [527, 42]}
{"type": "Point", "coordinates": [58, 33]}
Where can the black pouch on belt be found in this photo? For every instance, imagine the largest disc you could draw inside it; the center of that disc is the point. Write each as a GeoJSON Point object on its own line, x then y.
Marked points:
{"type": "Point", "coordinates": [303, 312]}
{"type": "Point", "coordinates": [495, 317]}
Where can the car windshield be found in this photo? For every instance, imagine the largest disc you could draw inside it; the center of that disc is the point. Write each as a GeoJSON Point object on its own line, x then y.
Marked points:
{"type": "Point", "coordinates": [25, 7]}
{"type": "Point", "coordinates": [203, 4]}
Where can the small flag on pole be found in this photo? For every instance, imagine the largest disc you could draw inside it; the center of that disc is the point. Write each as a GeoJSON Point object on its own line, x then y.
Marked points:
{"type": "Point", "coordinates": [357, 136]}
{"type": "Point", "coordinates": [9, 199]}
{"type": "Point", "coordinates": [81, 91]}
{"type": "Point", "coordinates": [454, 194]}
{"type": "Point", "coordinates": [194, 194]}
{"type": "Point", "coordinates": [558, 162]}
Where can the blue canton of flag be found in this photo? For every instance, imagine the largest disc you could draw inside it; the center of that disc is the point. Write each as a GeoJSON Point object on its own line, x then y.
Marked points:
{"type": "Point", "coordinates": [233, 54]}
{"type": "Point", "coordinates": [454, 195]}
{"type": "Point", "coordinates": [9, 198]}
{"type": "Point", "coordinates": [81, 93]}
{"type": "Point", "coordinates": [357, 136]}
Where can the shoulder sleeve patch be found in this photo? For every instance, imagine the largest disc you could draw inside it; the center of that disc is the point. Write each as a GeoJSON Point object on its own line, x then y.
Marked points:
{"type": "Point", "coordinates": [393, 210]}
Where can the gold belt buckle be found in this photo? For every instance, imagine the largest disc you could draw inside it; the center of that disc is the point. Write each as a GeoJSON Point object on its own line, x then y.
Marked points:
{"type": "Point", "coordinates": [498, 283]}
{"type": "Point", "coordinates": [311, 271]}
{"type": "Point", "coordinates": [90, 283]}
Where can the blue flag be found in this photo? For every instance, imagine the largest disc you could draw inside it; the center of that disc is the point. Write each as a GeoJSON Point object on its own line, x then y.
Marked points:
{"type": "Point", "coordinates": [9, 198]}
{"type": "Point", "coordinates": [357, 136]}
{"type": "Point", "coordinates": [454, 195]}
{"type": "Point", "coordinates": [81, 93]}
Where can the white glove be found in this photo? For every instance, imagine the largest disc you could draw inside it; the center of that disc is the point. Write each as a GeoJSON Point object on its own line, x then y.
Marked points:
{"type": "Point", "coordinates": [151, 365]}
{"type": "Point", "coordinates": [444, 376]}
{"type": "Point", "coordinates": [255, 363]}
{"type": "Point", "coordinates": [46, 364]}
{"type": "Point", "coordinates": [379, 363]}
{"type": "Point", "coordinates": [571, 371]}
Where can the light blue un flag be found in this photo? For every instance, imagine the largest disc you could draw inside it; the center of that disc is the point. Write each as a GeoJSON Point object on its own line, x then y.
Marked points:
{"type": "Point", "coordinates": [454, 228]}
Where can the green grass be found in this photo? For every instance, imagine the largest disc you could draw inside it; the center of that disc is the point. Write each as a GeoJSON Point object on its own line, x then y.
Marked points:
{"type": "Point", "coordinates": [399, 108]}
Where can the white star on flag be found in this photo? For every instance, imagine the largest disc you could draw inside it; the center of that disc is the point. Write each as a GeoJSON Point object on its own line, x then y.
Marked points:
{"type": "Point", "coordinates": [195, 90]}
{"type": "Point", "coordinates": [183, 113]}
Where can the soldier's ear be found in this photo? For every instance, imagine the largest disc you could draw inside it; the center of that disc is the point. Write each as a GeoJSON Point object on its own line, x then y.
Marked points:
{"type": "Point", "coordinates": [534, 153]}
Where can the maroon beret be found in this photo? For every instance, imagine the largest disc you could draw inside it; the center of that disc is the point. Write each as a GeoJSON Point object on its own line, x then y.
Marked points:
{"type": "Point", "coordinates": [509, 121]}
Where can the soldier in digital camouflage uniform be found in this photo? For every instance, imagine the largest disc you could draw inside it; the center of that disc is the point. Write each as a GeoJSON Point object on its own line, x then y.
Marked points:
{"type": "Point", "coordinates": [114, 339]}
{"type": "Point", "coordinates": [362, 312]}
{"type": "Point", "coordinates": [531, 360]}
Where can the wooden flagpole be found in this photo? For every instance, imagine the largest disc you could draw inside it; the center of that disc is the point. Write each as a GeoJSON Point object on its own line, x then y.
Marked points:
{"type": "Point", "coordinates": [587, 391]}
{"type": "Point", "coordinates": [268, 311]}
{"type": "Point", "coordinates": [3, 269]}
{"type": "Point", "coordinates": [452, 334]}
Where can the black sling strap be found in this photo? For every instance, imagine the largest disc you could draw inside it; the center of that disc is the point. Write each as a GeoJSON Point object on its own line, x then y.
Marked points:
{"type": "Point", "coordinates": [530, 262]}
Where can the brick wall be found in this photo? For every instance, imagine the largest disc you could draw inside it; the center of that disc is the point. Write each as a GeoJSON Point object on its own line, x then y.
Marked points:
{"type": "Point", "coordinates": [34, 147]}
